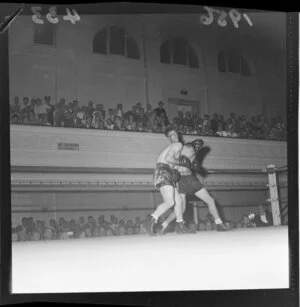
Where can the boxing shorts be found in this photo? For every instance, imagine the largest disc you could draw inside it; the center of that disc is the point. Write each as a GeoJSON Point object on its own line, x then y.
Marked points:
{"type": "Point", "coordinates": [165, 175]}
{"type": "Point", "coordinates": [189, 184]}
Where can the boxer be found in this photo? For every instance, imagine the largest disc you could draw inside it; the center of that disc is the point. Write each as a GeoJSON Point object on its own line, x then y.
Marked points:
{"type": "Point", "coordinates": [189, 184]}
{"type": "Point", "coordinates": [165, 180]}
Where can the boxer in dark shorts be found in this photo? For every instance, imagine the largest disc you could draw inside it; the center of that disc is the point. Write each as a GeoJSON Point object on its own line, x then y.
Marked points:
{"type": "Point", "coordinates": [190, 184]}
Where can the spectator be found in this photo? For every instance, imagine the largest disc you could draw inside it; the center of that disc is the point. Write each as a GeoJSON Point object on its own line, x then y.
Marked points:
{"type": "Point", "coordinates": [88, 123]}
{"type": "Point", "coordinates": [187, 120]}
{"type": "Point", "coordinates": [140, 127]}
{"type": "Point", "coordinates": [160, 110]}
{"type": "Point", "coordinates": [59, 116]}
{"type": "Point", "coordinates": [48, 234]}
{"type": "Point", "coordinates": [102, 232]}
{"type": "Point", "coordinates": [201, 226]}
{"type": "Point", "coordinates": [110, 124]}
{"type": "Point", "coordinates": [231, 132]}
{"type": "Point", "coordinates": [208, 225]}
{"type": "Point", "coordinates": [206, 123]}
{"type": "Point", "coordinates": [129, 223]}
{"type": "Point", "coordinates": [122, 231]}
{"type": "Point", "coordinates": [41, 112]}
{"type": "Point", "coordinates": [192, 226]}
{"type": "Point", "coordinates": [14, 235]}
{"type": "Point", "coordinates": [263, 219]}
{"type": "Point", "coordinates": [50, 110]}
{"type": "Point", "coordinates": [90, 109]}
{"type": "Point", "coordinates": [88, 231]}
{"type": "Point", "coordinates": [214, 125]}
{"type": "Point", "coordinates": [130, 231]}
{"type": "Point", "coordinates": [118, 124]}
{"type": "Point", "coordinates": [69, 116]}
{"type": "Point", "coordinates": [137, 230]}
{"type": "Point", "coordinates": [109, 232]}
{"type": "Point", "coordinates": [15, 109]}
{"type": "Point", "coordinates": [96, 232]}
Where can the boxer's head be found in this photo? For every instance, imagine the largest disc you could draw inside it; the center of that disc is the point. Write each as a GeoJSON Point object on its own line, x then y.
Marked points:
{"type": "Point", "coordinates": [172, 135]}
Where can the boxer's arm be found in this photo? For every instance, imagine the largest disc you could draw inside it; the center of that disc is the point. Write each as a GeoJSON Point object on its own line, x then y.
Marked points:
{"type": "Point", "coordinates": [173, 154]}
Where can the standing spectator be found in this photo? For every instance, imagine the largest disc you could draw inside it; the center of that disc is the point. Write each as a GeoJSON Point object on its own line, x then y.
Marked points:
{"type": "Point", "coordinates": [110, 115]}
{"type": "Point", "coordinates": [50, 110]}
{"type": "Point", "coordinates": [187, 120]}
{"type": "Point", "coordinates": [41, 112]}
{"type": "Point", "coordinates": [160, 110]}
{"type": "Point", "coordinates": [59, 115]}
{"type": "Point", "coordinates": [119, 110]}
{"type": "Point", "coordinates": [69, 116]}
{"type": "Point", "coordinates": [214, 125]}
{"type": "Point", "coordinates": [149, 114]}
{"type": "Point", "coordinates": [15, 108]}
{"type": "Point", "coordinates": [26, 106]}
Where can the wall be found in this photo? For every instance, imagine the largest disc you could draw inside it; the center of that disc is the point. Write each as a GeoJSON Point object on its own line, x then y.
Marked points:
{"type": "Point", "coordinates": [112, 172]}
{"type": "Point", "coordinates": [72, 71]}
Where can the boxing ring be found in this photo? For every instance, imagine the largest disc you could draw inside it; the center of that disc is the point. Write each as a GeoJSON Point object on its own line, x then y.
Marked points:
{"type": "Point", "coordinates": [249, 258]}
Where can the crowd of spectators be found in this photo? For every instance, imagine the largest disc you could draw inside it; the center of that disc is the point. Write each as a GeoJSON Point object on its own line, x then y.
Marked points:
{"type": "Point", "coordinates": [42, 112]}
{"type": "Point", "coordinates": [31, 230]}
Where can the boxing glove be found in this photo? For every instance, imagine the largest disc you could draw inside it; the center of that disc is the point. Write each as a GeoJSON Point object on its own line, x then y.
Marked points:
{"type": "Point", "coordinates": [175, 175]}
{"type": "Point", "coordinates": [185, 162]}
{"type": "Point", "coordinates": [197, 144]}
{"type": "Point", "coordinates": [196, 167]}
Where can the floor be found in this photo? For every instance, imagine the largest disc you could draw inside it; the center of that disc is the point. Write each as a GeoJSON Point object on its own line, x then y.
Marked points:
{"type": "Point", "coordinates": [253, 258]}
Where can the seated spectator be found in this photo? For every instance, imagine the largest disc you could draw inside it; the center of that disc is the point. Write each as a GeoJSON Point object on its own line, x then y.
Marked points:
{"type": "Point", "coordinates": [122, 231]}
{"type": "Point", "coordinates": [130, 231]}
{"type": "Point", "coordinates": [209, 225]}
{"type": "Point", "coordinates": [201, 226]}
{"type": "Point", "coordinates": [110, 124]}
{"type": "Point", "coordinates": [91, 223]}
{"type": "Point", "coordinates": [118, 124]}
{"type": "Point", "coordinates": [14, 235]}
{"type": "Point", "coordinates": [232, 133]}
{"type": "Point", "coordinates": [137, 230]}
{"type": "Point", "coordinates": [101, 220]}
{"type": "Point", "coordinates": [80, 117]}
{"type": "Point", "coordinates": [109, 232]}
{"type": "Point", "coordinates": [96, 232]}
{"type": "Point", "coordinates": [15, 109]}
{"type": "Point", "coordinates": [88, 231]}
{"type": "Point", "coordinates": [221, 131]}
{"type": "Point", "coordinates": [137, 222]}
{"type": "Point", "coordinates": [149, 114]}
{"type": "Point", "coordinates": [192, 226]}
{"type": "Point", "coordinates": [245, 221]}
{"type": "Point", "coordinates": [16, 119]}
{"type": "Point", "coordinates": [90, 109]}
{"type": "Point", "coordinates": [129, 223]}
{"type": "Point", "coordinates": [102, 232]}
{"type": "Point", "coordinates": [206, 123]}
{"type": "Point", "coordinates": [140, 127]}
{"type": "Point", "coordinates": [26, 106]}
{"type": "Point", "coordinates": [88, 123]}
{"type": "Point", "coordinates": [264, 218]}
{"type": "Point", "coordinates": [35, 236]}
{"type": "Point", "coordinates": [48, 234]}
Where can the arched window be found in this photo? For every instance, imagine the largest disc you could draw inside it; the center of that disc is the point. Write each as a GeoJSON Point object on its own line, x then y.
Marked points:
{"type": "Point", "coordinates": [44, 34]}
{"type": "Point", "coordinates": [99, 43]}
{"type": "Point", "coordinates": [115, 40]}
{"type": "Point", "coordinates": [178, 51]}
{"type": "Point", "coordinates": [233, 62]}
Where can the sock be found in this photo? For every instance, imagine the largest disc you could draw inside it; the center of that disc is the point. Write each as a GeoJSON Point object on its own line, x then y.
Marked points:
{"type": "Point", "coordinates": [165, 225]}
{"type": "Point", "coordinates": [156, 218]}
{"type": "Point", "coordinates": [218, 221]}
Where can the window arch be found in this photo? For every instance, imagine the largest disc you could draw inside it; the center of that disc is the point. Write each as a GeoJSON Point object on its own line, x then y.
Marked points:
{"type": "Point", "coordinates": [44, 34]}
{"type": "Point", "coordinates": [178, 51]}
{"type": "Point", "coordinates": [233, 62]}
{"type": "Point", "coordinates": [115, 40]}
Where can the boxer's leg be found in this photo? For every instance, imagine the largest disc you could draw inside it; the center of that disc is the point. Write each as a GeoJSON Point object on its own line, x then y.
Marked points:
{"type": "Point", "coordinates": [168, 196]}
{"type": "Point", "coordinates": [172, 216]}
{"type": "Point", "coordinates": [211, 204]}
